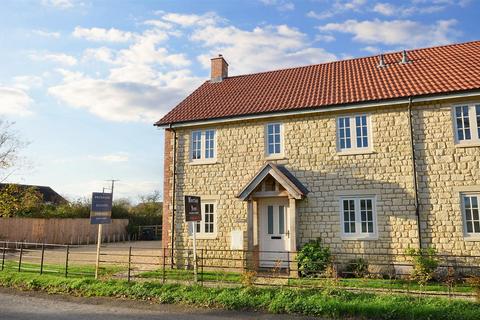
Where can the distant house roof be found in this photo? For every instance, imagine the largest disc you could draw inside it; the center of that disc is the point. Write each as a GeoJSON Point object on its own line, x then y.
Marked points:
{"type": "Point", "coordinates": [431, 71]}
{"type": "Point", "coordinates": [49, 195]}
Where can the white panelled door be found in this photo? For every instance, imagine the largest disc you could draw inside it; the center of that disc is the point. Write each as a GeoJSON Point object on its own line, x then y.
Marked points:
{"type": "Point", "coordinates": [274, 232]}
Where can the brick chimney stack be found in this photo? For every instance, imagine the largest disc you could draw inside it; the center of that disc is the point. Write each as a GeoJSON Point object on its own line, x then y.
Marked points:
{"type": "Point", "coordinates": [219, 69]}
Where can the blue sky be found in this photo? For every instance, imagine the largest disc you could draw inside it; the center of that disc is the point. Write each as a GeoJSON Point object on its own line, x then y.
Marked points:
{"type": "Point", "coordinates": [85, 80]}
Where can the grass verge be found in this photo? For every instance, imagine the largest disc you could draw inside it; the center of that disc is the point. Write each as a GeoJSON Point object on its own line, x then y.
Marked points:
{"type": "Point", "coordinates": [360, 283]}
{"type": "Point", "coordinates": [314, 302]}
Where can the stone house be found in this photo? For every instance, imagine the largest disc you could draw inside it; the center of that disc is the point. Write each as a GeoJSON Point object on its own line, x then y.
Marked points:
{"type": "Point", "coordinates": [372, 155]}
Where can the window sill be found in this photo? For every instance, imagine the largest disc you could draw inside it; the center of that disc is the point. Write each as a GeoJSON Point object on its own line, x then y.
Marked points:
{"type": "Point", "coordinates": [471, 238]}
{"type": "Point", "coordinates": [469, 144]}
{"type": "Point", "coordinates": [275, 157]}
{"type": "Point", "coordinates": [354, 152]}
{"type": "Point", "coordinates": [202, 162]}
{"type": "Point", "coordinates": [358, 238]}
{"type": "Point", "coordinates": [199, 236]}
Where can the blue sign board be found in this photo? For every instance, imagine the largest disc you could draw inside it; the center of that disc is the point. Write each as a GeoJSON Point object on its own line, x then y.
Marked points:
{"type": "Point", "coordinates": [101, 211]}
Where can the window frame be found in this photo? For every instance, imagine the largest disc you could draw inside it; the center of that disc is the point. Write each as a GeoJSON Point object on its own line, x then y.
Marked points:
{"type": "Point", "coordinates": [474, 125]}
{"type": "Point", "coordinates": [354, 149]}
{"type": "Point", "coordinates": [469, 235]}
{"type": "Point", "coordinates": [202, 234]}
{"type": "Point", "coordinates": [203, 147]}
{"type": "Point", "coordinates": [358, 234]}
{"type": "Point", "coordinates": [281, 154]}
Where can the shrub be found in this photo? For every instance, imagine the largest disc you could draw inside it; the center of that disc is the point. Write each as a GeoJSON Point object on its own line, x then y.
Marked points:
{"type": "Point", "coordinates": [357, 268]}
{"type": "Point", "coordinates": [248, 278]}
{"type": "Point", "coordinates": [425, 262]}
{"type": "Point", "coordinates": [474, 281]}
{"type": "Point", "coordinates": [313, 258]}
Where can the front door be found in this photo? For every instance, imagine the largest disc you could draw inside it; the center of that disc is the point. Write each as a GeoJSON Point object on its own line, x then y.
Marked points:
{"type": "Point", "coordinates": [274, 233]}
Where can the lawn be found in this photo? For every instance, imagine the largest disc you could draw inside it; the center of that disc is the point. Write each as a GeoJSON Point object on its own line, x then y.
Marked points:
{"type": "Point", "coordinates": [396, 284]}
{"type": "Point", "coordinates": [360, 283]}
{"type": "Point", "coordinates": [56, 269]}
{"type": "Point", "coordinates": [334, 303]}
{"type": "Point", "coordinates": [179, 274]}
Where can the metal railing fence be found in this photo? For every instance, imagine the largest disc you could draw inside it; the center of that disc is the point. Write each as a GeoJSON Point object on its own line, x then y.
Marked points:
{"type": "Point", "coordinates": [350, 271]}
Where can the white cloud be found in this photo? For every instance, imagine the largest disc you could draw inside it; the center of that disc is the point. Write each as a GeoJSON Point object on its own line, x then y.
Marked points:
{"type": "Point", "coordinates": [101, 34]}
{"type": "Point", "coordinates": [396, 32]}
{"type": "Point", "coordinates": [159, 24]}
{"type": "Point", "coordinates": [27, 82]}
{"type": "Point", "coordinates": [281, 5]}
{"type": "Point", "coordinates": [320, 15]}
{"type": "Point", "coordinates": [188, 20]}
{"type": "Point", "coordinates": [337, 8]}
{"type": "Point", "coordinates": [123, 98]}
{"type": "Point", "coordinates": [114, 157]}
{"type": "Point", "coordinates": [60, 58]}
{"type": "Point", "coordinates": [47, 34]}
{"type": "Point", "coordinates": [102, 54]}
{"type": "Point", "coordinates": [388, 9]}
{"type": "Point", "coordinates": [324, 38]}
{"type": "Point", "coordinates": [145, 79]}
{"type": "Point", "coordinates": [61, 4]}
{"type": "Point", "coordinates": [350, 5]}
{"type": "Point", "coordinates": [14, 101]}
{"type": "Point", "coordinates": [263, 48]}
{"type": "Point", "coordinates": [372, 49]}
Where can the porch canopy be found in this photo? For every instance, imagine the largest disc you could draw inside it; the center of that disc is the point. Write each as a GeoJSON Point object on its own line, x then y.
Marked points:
{"type": "Point", "coordinates": [281, 174]}
{"type": "Point", "coordinates": [284, 185]}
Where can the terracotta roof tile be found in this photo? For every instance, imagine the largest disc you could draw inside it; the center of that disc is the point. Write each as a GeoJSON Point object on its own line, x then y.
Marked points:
{"type": "Point", "coordinates": [436, 70]}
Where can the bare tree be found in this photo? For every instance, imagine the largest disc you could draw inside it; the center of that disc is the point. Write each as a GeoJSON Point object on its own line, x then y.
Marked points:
{"type": "Point", "coordinates": [10, 145]}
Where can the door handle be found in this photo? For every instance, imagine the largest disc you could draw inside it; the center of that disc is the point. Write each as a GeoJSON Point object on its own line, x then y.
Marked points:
{"type": "Point", "coordinates": [288, 233]}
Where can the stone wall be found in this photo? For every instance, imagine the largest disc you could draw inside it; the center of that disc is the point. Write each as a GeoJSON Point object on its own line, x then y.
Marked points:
{"type": "Point", "coordinates": [445, 170]}
{"type": "Point", "coordinates": [311, 155]}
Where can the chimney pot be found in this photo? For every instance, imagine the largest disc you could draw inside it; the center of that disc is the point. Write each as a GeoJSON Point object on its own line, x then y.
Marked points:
{"type": "Point", "coordinates": [381, 61]}
{"type": "Point", "coordinates": [219, 69]}
{"type": "Point", "coordinates": [404, 57]}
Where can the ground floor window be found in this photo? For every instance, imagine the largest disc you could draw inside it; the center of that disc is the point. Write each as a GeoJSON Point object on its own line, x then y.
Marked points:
{"type": "Point", "coordinates": [208, 226]}
{"type": "Point", "coordinates": [358, 217]}
{"type": "Point", "coordinates": [471, 215]}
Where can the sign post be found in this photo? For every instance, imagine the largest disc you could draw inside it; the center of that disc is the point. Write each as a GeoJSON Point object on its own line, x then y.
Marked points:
{"type": "Point", "coordinates": [193, 214]}
{"type": "Point", "coordinates": [100, 213]}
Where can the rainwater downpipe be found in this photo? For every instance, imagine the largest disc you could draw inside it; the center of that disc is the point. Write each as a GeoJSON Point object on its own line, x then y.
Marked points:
{"type": "Point", "coordinates": [174, 174]}
{"type": "Point", "coordinates": [414, 170]}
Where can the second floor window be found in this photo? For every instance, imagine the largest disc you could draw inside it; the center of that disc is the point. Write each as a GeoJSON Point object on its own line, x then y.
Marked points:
{"type": "Point", "coordinates": [203, 145]}
{"type": "Point", "coordinates": [353, 133]}
{"type": "Point", "coordinates": [467, 123]}
{"type": "Point", "coordinates": [274, 139]}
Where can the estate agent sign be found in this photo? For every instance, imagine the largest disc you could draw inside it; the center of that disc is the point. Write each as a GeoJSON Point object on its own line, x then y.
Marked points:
{"type": "Point", "coordinates": [101, 211]}
{"type": "Point", "coordinates": [192, 209]}
{"type": "Point", "coordinates": [193, 213]}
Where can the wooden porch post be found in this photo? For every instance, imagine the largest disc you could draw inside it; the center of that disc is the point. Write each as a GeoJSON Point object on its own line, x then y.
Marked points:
{"type": "Point", "coordinates": [293, 236]}
{"type": "Point", "coordinates": [249, 254]}
{"type": "Point", "coordinates": [250, 224]}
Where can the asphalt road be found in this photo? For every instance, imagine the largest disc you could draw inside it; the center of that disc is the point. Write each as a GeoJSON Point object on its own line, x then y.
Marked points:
{"type": "Point", "coordinates": [15, 305]}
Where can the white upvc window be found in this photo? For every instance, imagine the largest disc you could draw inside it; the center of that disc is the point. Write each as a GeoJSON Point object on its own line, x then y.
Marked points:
{"type": "Point", "coordinates": [471, 215]}
{"type": "Point", "coordinates": [358, 217]}
{"type": "Point", "coordinates": [466, 120]}
{"type": "Point", "coordinates": [353, 133]}
{"type": "Point", "coordinates": [207, 228]}
{"type": "Point", "coordinates": [203, 147]}
{"type": "Point", "coordinates": [274, 139]}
